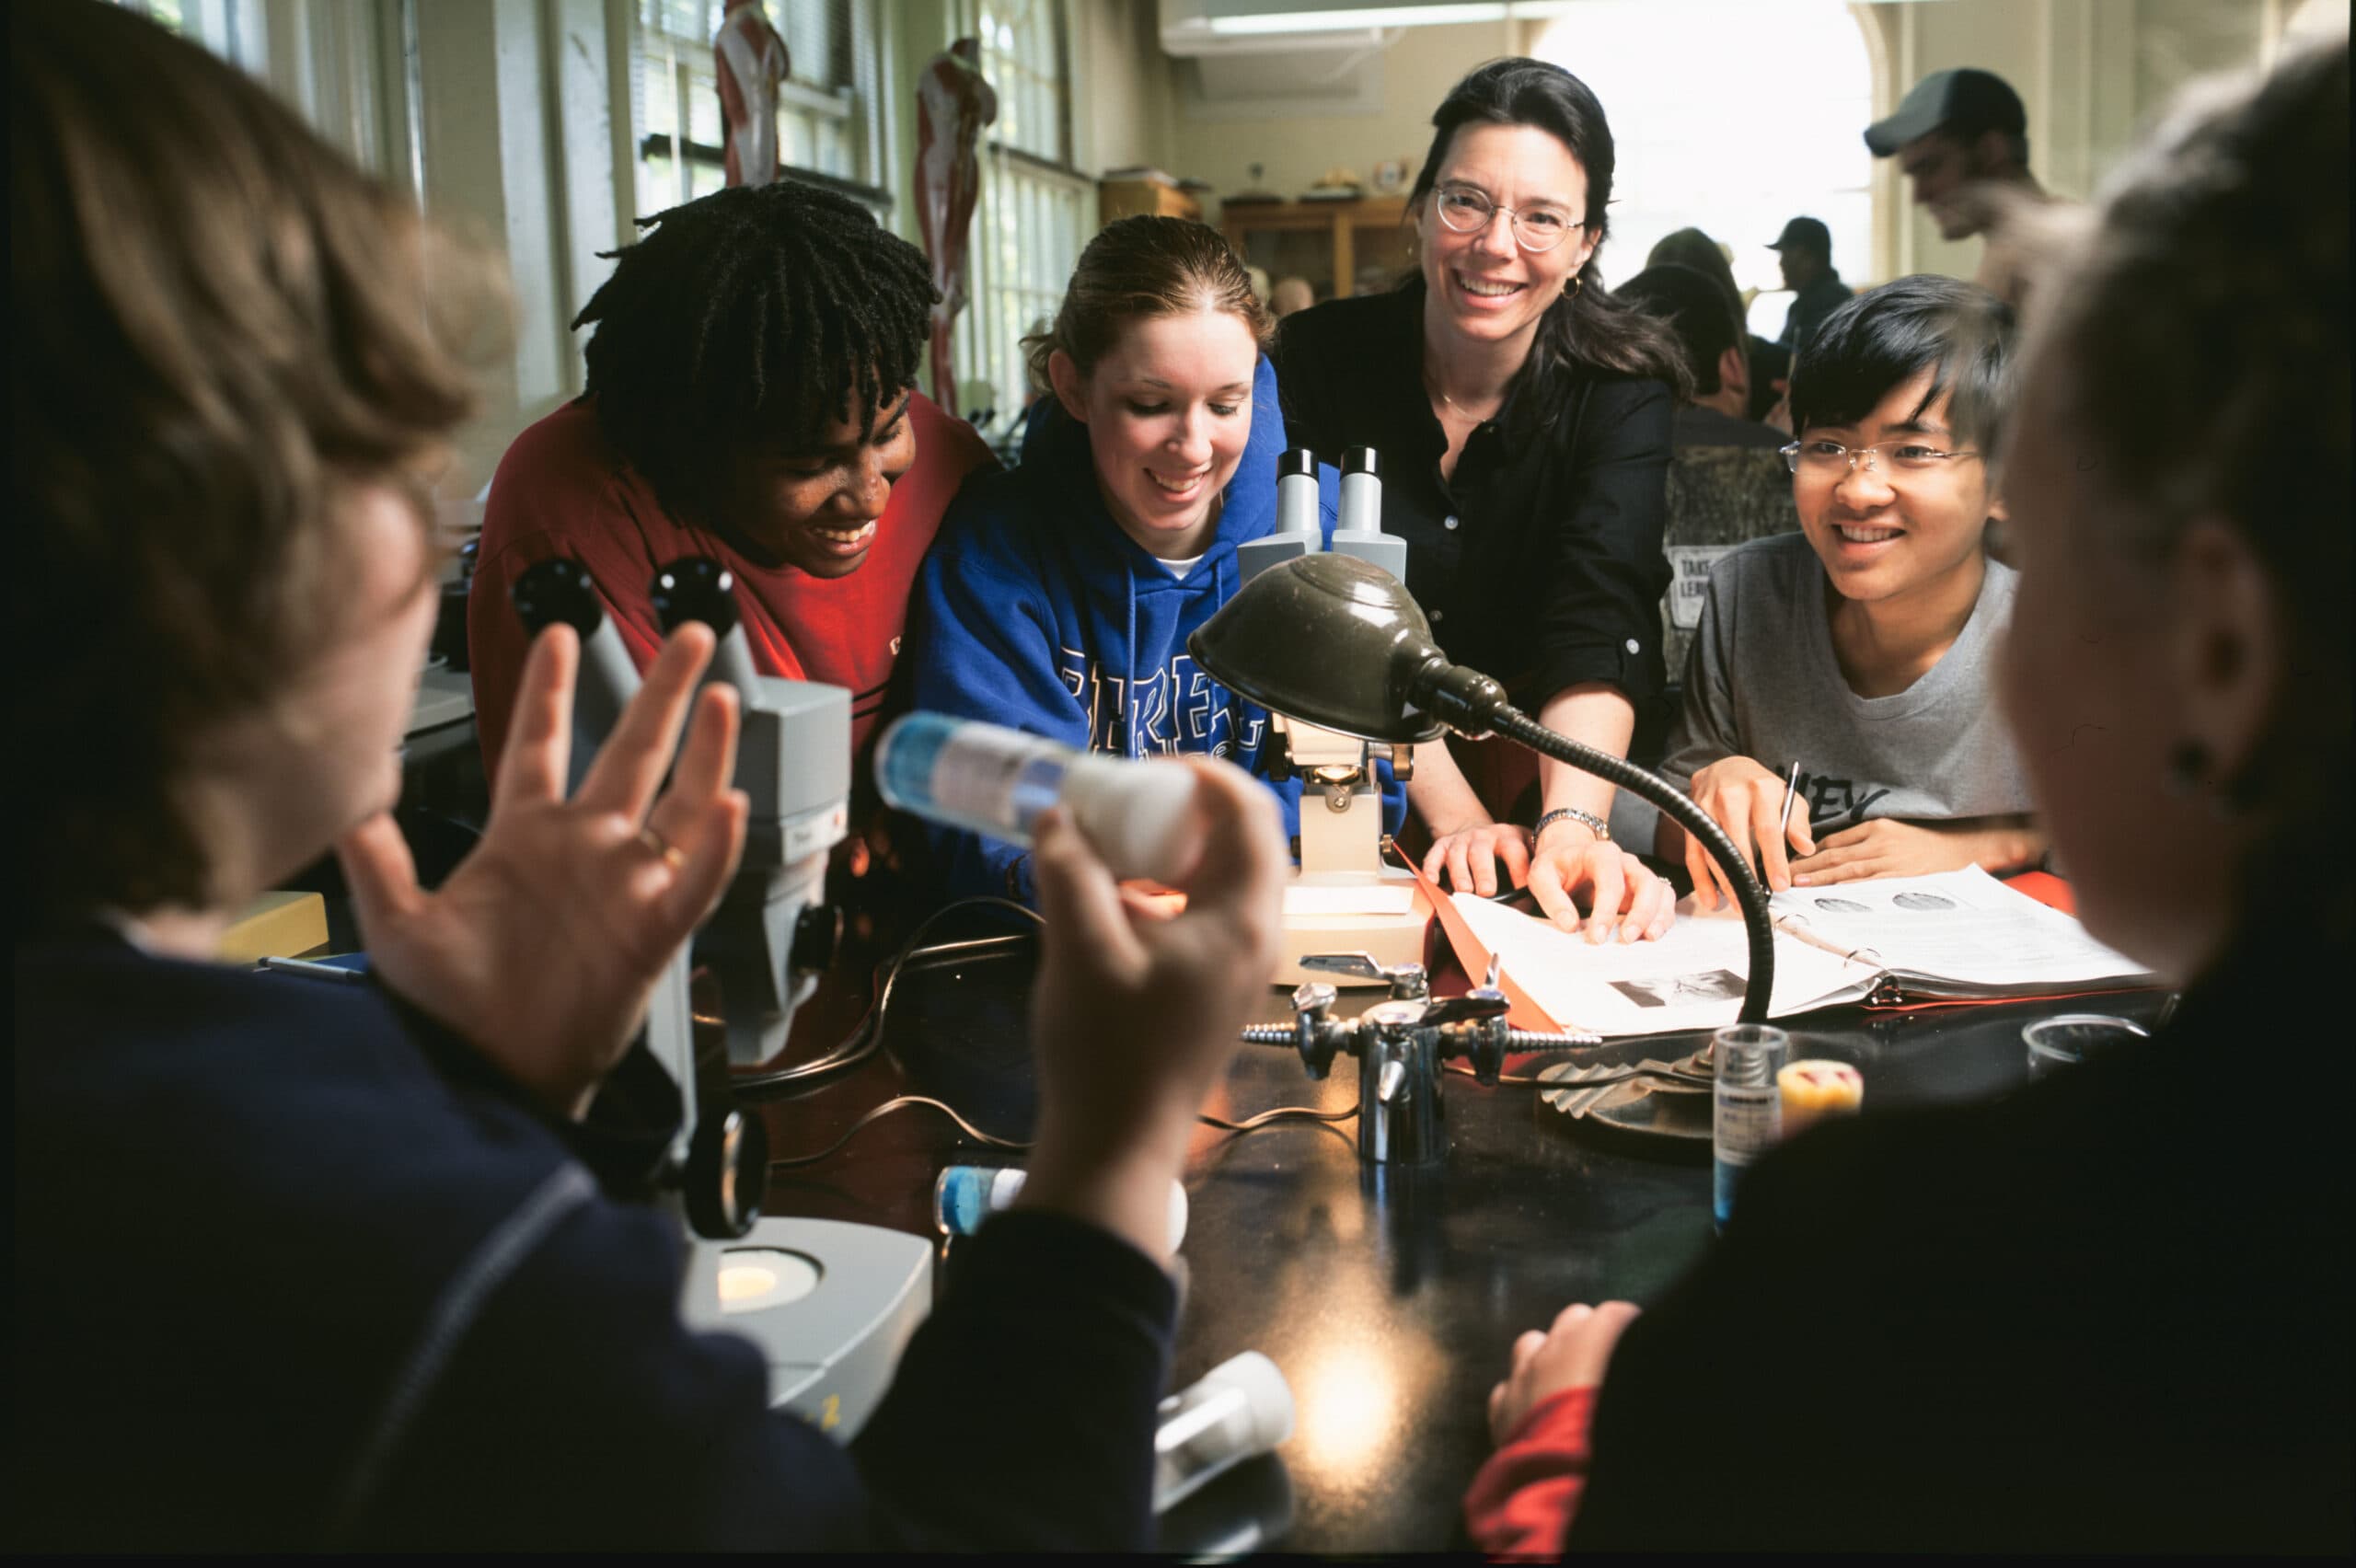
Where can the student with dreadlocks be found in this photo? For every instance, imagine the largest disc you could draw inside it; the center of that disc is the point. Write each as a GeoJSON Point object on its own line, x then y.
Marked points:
{"type": "Point", "coordinates": [751, 399]}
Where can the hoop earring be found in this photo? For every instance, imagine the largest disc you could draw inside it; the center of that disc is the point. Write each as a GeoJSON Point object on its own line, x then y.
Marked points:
{"type": "Point", "coordinates": [1571, 289]}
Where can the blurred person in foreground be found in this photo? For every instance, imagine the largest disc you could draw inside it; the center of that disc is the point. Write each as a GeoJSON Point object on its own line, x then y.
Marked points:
{"type": "Point", "coordinates": [2109, 1310]}
{"type": "Point", "coordinates": [301, 1265]}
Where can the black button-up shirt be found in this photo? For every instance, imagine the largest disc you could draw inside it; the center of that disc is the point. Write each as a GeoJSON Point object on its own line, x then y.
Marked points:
{"type": "Point", "coordinates": [1539, 561]}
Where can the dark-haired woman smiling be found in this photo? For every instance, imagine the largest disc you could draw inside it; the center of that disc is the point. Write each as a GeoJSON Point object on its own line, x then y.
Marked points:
{"type": "Point", "coordinates": [1523, 419]}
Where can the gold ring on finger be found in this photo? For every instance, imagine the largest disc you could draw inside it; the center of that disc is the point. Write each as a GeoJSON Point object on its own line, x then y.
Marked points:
{"type": "Point", "coordinates": [673, 855]}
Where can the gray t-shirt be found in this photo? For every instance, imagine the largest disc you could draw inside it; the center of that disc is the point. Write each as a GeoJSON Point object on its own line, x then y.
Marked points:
{"type": "Point", "coordinates": [1762, 682]}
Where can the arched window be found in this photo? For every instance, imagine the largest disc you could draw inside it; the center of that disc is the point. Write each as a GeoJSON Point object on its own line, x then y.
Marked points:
{"type": "Point", "coordinates": [1731, 117]}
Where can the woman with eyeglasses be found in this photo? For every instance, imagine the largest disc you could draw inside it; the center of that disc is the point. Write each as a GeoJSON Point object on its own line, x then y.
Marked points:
{"type": "Point", "coordinates": [1523, 422]}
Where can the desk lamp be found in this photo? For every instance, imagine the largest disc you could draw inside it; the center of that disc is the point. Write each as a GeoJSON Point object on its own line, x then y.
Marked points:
{"type": "Point", "coordinates": [831, 1305]}
{"type": "Point", "coordinates": [1341, 644]}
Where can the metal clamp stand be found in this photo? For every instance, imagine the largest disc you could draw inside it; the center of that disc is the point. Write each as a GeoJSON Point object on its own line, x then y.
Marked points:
{"type": "Point", "coordinates": [1400, 1044]}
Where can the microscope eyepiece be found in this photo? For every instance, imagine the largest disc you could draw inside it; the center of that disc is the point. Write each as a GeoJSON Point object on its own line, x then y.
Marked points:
{"type": "Point", "coordinates": [553, 591]}
{"type": "Point", "coordinates": [696, 588]}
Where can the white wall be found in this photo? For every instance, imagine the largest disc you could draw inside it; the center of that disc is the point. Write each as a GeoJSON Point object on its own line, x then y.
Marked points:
{"type": "Point", "coordinates": [1296, 149]}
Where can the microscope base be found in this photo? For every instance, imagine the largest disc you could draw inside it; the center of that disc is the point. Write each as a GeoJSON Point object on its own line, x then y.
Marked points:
{"type": "Point", "coordinates": [844, 1302]}
{"type": "Point", "coordinates": [1312, 924]}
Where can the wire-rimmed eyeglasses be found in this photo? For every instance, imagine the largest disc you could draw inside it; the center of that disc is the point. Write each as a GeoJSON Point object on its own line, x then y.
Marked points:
{"type": "Point", "coordinates": [1830, 459]}
{"type": "Point", "coordinates": [1537, 228]}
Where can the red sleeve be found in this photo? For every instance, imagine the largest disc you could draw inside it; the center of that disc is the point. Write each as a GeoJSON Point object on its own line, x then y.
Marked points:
{"type": "Point", "coordinates": [1521, 1503]}
{"type": "Point", "coordinates": [549, 498]}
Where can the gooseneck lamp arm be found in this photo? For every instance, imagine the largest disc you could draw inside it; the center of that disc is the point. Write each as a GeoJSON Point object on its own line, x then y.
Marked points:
{"type": "Point", "coordinates": [1333, 641]}
{"type": "Point", "coordinates": [1474, 705]}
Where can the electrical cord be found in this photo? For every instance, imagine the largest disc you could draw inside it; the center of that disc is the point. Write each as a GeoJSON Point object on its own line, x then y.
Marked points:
{"type": "Point", "coordinates": [900, 1102]}
{"type": "Point", "coordinates": [867, 1035]}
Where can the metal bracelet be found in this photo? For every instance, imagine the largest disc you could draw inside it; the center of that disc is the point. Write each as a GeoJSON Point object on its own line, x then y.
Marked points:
{"type": "Point", "coordinates": [1592, 823]}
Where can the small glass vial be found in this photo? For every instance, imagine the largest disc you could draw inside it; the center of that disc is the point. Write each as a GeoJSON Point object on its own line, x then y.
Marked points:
{"type": "Point", "coordinates": [1749, 1106]}
{"type": "Point", "coordinates": [1242, 1409]}
{"type": "Point", "coordinates": [989, 779]}
{"type": "Point", "coordinates": [968, 1194]}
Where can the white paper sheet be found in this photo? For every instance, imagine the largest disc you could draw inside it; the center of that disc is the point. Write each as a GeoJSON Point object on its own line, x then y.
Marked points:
{"type": "Point", "coordinates": [1692, 978]}
{"type": "Point", "coordinates": [1367, 898]}
{"type": "Point", "coordinates": [1963, 927]}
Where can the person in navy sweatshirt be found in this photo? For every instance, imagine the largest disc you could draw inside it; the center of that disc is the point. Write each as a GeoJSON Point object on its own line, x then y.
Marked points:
{"type": "Point", "coordinates": [1058, 595]}
{"type": "Point", "coordinates": [300, 1264]}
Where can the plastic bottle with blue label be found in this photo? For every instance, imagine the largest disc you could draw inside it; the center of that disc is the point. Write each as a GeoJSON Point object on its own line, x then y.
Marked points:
{"type": "Point", "coordinates": [968, 1194]}
{"type": "Point", "coordinates": [989, 779]}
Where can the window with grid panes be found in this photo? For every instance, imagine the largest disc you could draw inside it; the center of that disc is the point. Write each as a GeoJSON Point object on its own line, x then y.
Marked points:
{"type": "Point", "coordinates": [322, 60]}
{"type": "Point", "coordinates": [1033, 217]}
{"type": "Point", "coordinates": [675, 96]}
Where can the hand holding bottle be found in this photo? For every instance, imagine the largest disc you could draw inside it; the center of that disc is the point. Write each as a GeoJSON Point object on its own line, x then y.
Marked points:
{"type": "Point", "coordinates": [1136, 1013]}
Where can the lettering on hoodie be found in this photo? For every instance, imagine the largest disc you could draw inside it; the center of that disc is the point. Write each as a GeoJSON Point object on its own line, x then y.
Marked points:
{"type": "Point", "coordinates": [1195, 721]}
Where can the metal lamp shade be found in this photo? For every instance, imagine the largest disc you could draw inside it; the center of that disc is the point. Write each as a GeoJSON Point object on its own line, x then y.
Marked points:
{"type": "Point", "coordinates": [1327, 640]}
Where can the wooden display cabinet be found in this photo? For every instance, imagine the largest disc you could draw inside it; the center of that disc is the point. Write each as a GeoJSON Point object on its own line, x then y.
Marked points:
{"type": "Point", "coordinates": [1342, 248]}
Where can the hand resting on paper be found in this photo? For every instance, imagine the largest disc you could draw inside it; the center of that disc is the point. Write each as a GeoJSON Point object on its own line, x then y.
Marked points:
{"type": "Point", "coordinates": [1886, 846]}
{"type": "Point", "coordinates": [1626, 901]}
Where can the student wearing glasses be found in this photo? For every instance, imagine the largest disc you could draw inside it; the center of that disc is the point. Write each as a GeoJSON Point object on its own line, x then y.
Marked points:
{"type": "Point", "coordinates": [1523, 419]}
{"type": "Point", "coordinates": [1862, 648]}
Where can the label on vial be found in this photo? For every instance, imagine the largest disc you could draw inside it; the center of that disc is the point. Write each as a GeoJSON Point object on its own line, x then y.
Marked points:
{"type": "Point", "coordinates": [997, 782]}
{"type": "Point", "coordinates": [1745, 1123]}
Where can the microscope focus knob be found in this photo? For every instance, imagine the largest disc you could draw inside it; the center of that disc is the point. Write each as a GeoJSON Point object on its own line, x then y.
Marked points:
{"type": "Point", "coordinates": [549, 592]}
{"type": "Point", "coordinates": [727, 1174]}
{"type": "Point", "coordinates": [696, 588]}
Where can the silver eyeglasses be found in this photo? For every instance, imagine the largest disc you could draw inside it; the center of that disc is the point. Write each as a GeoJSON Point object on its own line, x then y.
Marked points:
{"type": "Point", "coordinates": [1830, 459]}
{"type": "Point", "coordinates": [1535, 229]}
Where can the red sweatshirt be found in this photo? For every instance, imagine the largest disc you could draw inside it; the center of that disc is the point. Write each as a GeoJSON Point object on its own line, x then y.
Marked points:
{"type": "Point", "coordinates": [561, 491]}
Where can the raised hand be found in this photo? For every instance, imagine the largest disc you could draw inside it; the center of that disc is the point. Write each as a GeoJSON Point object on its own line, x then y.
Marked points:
{"type": "Point", "coordinates": [542, 947]}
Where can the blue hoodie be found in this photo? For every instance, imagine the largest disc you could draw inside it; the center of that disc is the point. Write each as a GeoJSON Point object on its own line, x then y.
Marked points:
{"type": "Point", "coordinates": [1035, 611]}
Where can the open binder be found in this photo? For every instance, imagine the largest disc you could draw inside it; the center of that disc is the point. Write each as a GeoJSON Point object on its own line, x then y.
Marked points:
{"type": "Point", "coordinates": [1951, 938]}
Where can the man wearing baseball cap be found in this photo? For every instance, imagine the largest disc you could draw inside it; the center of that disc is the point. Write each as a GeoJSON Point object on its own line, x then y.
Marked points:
{"type": "Point", "coordinates": [1806, 247]}
{"type": "Point", "coordinates": [1962, 138]}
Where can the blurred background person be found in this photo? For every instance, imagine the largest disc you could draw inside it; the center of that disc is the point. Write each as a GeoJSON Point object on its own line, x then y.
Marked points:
{"type": "Point", "coordinates": [1805, 250]}
{"type": "Point", "coordinates": [1728, 481]}
{"type": "Point", "coordinates": [1290, 296]}
{"type": "Point", "coordinates": [1961, 138]}
{"type": "Point", "coordinates": [1770, 362]}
